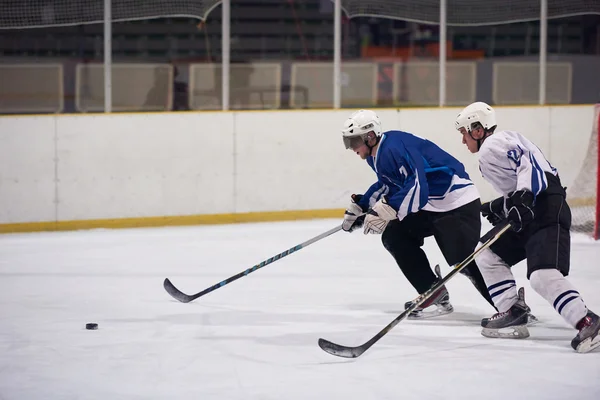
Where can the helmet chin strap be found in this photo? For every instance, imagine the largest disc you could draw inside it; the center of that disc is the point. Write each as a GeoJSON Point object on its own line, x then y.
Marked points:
{"type": "Point", "coordinates": [479, 141]}
{"type": "Point", "coordinates": [377, 139]}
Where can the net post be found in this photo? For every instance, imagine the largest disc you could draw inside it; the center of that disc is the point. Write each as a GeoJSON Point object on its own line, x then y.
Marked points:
{"type": "Point", "coordinates": [543, 49]}
{"type": "Point", "coordinates": [225, 52]}
{"type": "Point", "coordinates": [337, 54]}
{"type": "Point", "coordinates": [597, 223]}
{"type": "Point", "coordinates": [442, 89]}
{"type": "Point", "coordinates": [107, 56]}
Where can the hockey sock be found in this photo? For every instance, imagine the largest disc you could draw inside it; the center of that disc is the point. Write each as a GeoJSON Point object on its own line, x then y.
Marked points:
{"type": "Point", "coordinates": [499, 280]}
{"type": "Point", "coordinates": [558, 291]}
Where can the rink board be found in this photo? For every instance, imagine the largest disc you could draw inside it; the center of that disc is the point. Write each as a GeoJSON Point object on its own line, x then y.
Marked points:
{"type": "Point", "coordinates": [148, 169]}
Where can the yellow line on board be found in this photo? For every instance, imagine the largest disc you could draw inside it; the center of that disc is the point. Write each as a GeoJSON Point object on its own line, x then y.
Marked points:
{"type": "Point", "coordinates": [581, 202]}
{"type": "Point", "coordinates": [180, 220]}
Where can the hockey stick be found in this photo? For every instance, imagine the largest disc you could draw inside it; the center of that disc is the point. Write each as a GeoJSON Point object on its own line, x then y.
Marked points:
{"type": "Point", "coordinates": [186, 298]}
{"type": "Point", "coordinates": [353, 352]}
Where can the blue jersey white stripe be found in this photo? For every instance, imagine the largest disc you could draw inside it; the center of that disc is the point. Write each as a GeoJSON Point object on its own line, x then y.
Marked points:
{"type": "Point", "coordinates": [416, 174]}
{"type": "Point", "coordinates": [372, 195]}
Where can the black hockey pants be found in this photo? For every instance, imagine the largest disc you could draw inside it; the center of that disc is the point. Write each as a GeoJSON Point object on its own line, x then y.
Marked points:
{"type": "Point", "coordinates": [546, 241]}
{"type": "Point", "coordinates": [456, 233]}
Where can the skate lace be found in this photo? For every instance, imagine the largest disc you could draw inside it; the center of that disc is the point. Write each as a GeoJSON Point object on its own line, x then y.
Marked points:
{"type": "Point", "coordinates": [584, 323]}
{"type": "Point", "coordinates": [498, 315]}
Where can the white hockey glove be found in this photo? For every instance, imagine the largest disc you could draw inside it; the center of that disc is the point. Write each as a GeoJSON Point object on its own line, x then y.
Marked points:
{"type": "Point", "coordinates": [354, 216]}
{"type": "Point", "coordinates": [378, 217]}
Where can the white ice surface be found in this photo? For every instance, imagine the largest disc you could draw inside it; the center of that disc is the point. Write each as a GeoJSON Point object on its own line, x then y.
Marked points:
{"type": "Point", "coordinates": [256, 338]}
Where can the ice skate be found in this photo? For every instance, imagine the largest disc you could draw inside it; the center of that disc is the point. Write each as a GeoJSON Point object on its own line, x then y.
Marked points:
{"type": "Point", "coordinates": [511, 324]}
{"type": "Point", "coordinates": [531, 319]}
{"type": "Point", "coordinates": [588, 337]}
{"type": "Point", "coordinates": [438, 304]}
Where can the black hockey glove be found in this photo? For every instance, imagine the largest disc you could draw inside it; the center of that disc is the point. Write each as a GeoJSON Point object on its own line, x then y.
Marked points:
{"type": "Point", "coordinates": [354, 217]}
{"type": "Point", "coordinates": [493, 210]}
{"type": "Point", "coordinates": [520, 209]}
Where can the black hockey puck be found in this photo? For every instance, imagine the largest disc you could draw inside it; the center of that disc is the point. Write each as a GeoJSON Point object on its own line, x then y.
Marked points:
{"type": "Point", "coordinates": [91, 326]}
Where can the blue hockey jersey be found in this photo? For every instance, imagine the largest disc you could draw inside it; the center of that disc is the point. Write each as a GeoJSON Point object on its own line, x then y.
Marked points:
{"type": "Point", "coordinates": [415, 174]}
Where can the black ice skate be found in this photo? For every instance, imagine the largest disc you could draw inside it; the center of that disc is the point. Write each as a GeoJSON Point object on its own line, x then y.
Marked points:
{"type": "Point", "coordinates": [531, 319]}
{"type": "Point", "coordinates": [438, 304]}
{"type": "Point", "coordinates": [588, 337]}
{"type": "Point", "coordinates": [511, 324]}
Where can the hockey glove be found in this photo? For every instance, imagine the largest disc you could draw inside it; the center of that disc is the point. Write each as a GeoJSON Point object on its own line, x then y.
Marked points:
{"type": "Point", "coordinates": [493, 210]}
{"type": "Point", "coordinates": [520, 209]}
{"type": "Point", "coordinates": [354, 216]}
{"type": "Point", "coordinates": [379, 216]}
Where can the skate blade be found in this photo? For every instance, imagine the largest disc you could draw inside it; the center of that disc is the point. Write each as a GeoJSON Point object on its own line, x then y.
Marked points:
{"type": "Point", "coordinates": [439, 311]}
{"type": "Point", "coordinates": [588, 345]}
{"type": "Point", "coordinates": [532, 320]}
{"type": "Point", "coordinates": [512, 332]}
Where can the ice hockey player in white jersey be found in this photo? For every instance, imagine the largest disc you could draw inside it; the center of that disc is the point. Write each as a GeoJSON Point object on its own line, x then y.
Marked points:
{"type": "Point", "coordinates": [534, 202]}
{"type": "Point", "coordinates": [421, 191]}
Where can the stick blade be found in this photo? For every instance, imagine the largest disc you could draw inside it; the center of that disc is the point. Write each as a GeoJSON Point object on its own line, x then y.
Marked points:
{"type": "Point", "coordinates": [176, 293]}
{"type": "Point", "coordinates": [339, 350]}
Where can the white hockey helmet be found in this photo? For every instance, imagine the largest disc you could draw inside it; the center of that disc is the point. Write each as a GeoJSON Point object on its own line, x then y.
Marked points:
{"type": "Point", "coordinates": [476, 112]}
{"type": "Point", "coordinates": [357, 127]}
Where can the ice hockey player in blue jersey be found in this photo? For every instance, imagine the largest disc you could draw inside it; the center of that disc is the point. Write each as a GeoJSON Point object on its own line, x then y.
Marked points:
{"type": "Point", "coordinates": [534, 201]}
{"type": "Point", "coordinates": [421, 191]}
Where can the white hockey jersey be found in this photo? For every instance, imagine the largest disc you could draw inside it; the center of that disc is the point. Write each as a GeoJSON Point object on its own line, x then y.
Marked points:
{"type": "Point", "coordinates": [511, 162]}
